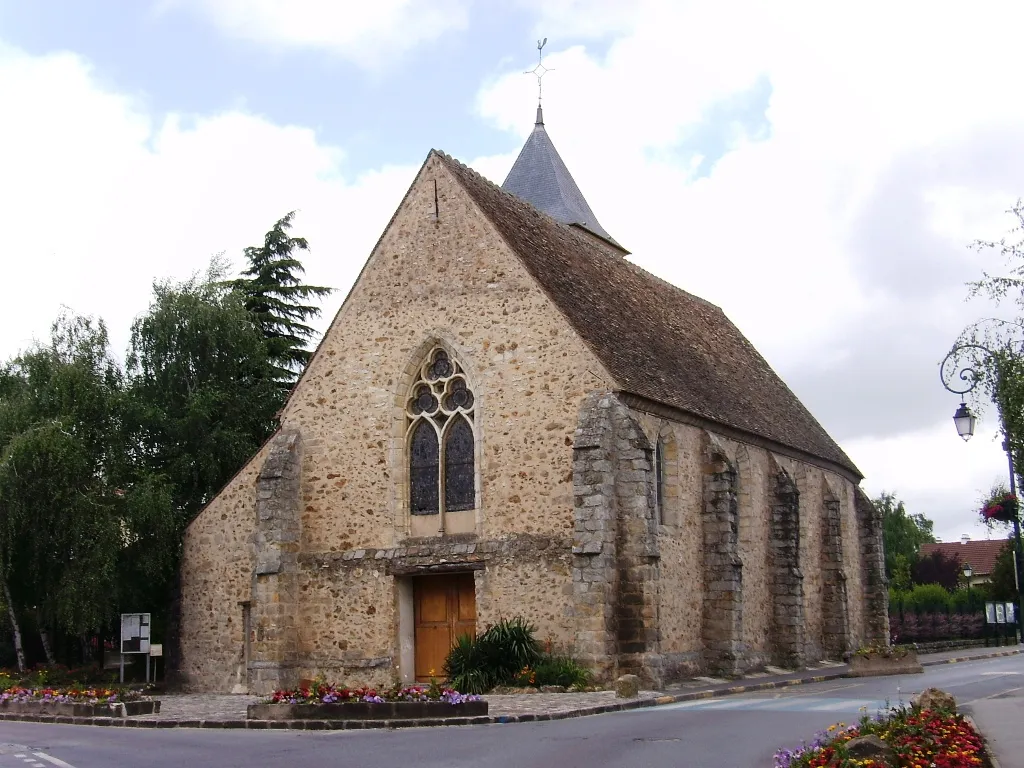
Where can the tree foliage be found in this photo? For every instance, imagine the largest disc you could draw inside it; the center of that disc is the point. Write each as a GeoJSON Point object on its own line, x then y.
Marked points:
{"type": "Point", "coordinates": [903, 534]}
{"type": "Point", "coordinates": [996, 364]}
{"type": "Point", "coordinates": [1002, 585]}
{"type": "Point", "coordinates": [102, 466]}
{"type": "Point", "coordinates": [937, 568]}
{"type": "Point", "coordinates": [73, 509]}
{"type": "Point", "coordinates": [201, 387]}
{"type": "Point", "coordinates": [278, 300]}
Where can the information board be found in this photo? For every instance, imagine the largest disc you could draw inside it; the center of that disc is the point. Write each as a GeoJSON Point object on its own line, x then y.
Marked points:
{"type": "Point", "coordinates": [135, 633]}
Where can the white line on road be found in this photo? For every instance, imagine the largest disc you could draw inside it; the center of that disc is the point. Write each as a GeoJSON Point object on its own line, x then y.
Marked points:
{"type": "Point", "coordinates": [994, 695]}
{"type": "Point", "coordinates": [55, 760]}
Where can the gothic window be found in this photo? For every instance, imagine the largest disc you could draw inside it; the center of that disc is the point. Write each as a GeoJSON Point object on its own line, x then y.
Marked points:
{"type": "Point", "coordinates": [440, 414]}
{"type": "Point", "coordinates": [459, 490]}
{"type": "Point", "coordinates": [659, 480]}
{"type": "Point", "coordinates": [423, 474]}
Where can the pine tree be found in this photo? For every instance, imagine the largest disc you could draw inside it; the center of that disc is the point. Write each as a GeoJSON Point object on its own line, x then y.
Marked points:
{"type": "Point", "coordinates": [278, 301]}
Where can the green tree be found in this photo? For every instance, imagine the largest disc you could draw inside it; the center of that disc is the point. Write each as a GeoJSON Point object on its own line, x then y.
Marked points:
{"type": "Point", "coordinates": [1002, 585]}
{"type": "Point", "coordinates": [902, 533]}
{"type": "Point", "coordinates": [72, 508]}
{"type": "Point", "coordinates": [998, 366]}
{"type": "Point", "coordinates": [202, 392]}
{"type": "Point", "coordinates": [278, 300]}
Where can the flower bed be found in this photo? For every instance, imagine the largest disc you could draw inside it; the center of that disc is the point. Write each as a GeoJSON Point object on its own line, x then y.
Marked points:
{"type": "Point", "coordinates": [323, 701]}
{"type": "Point", "coordinates": [77, 702]}
{"type": "Point", "coordinates": [916, 737]}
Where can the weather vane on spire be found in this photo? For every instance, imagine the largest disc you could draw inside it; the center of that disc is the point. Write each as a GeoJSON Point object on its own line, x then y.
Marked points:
{"type": "Point", "coordinates": [540, 70]}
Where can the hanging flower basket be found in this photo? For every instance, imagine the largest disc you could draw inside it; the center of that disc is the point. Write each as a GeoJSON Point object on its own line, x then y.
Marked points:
{"type": "Point", "coordinates": [1001, 509]}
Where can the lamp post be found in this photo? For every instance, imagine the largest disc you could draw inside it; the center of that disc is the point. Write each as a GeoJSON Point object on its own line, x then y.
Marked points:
{"type": "Point", "coordinates": [950, 372]}
{"type": "Point", "coordinates": [968, 572]}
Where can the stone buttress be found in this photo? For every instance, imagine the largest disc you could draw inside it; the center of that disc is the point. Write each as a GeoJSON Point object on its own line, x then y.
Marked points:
{"type": "Point", "coordinates": [275, 548]}
{"type": "Point", "coordinates": [615, 556]}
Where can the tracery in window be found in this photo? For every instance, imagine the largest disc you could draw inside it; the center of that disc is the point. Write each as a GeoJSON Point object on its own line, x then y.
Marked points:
{"type": "Point", "coordinates": [440, 413]}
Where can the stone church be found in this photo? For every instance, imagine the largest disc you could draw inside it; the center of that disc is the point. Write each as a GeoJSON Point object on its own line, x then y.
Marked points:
{"type": "Point", "coordinates": [508, 417]}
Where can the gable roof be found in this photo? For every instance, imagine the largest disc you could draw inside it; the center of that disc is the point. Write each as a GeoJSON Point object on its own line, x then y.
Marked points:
{"type": "Point", "coordinates": [980, 555]}
{"type": "Point", "coordinates": [540, 177]}
{"type": "Point", "coordinates": [656, 340]}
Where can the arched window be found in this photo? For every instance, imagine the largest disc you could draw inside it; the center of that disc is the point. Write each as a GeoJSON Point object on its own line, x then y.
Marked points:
{"type": "Point", "coordinates": [459, 487]}
{"type": "Point", "coordinates": [441, 447]}
{"type": "Point", "coordinates": [423, 466]}
{"type": "Point", "coordinates": [659, 480]}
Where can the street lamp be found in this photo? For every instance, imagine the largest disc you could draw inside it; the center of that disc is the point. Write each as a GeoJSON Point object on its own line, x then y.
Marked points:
{"type": "Point", "coordinates": [950, 372]}
{"type": "Point", "coordinates": [965, 421]}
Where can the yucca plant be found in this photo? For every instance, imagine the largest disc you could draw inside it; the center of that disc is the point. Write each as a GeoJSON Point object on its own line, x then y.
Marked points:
{"type": "Point", "coordinates": [466, 667]}
{"type": "Point", "coordinates": [475, 665]}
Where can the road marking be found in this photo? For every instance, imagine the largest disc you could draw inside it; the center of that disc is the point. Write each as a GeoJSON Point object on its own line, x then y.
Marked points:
{"type": "Point", "coordinates": [781, 704]}
{"type": "Point", "coordinates": [54, 760]}
{"type": "Point", "coordinates": [994, 695]}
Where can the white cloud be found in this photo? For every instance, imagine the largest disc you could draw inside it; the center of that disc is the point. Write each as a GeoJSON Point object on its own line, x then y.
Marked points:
{"type": "Point", "coordinates": [103, 200]}
{"type": "Point", "coordinates": [368, 34]}
{"type": "Point", "coordinates": [837, 240]}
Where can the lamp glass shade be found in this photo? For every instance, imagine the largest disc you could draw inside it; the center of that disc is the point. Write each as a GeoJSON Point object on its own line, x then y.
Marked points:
{"type": "Point", "coordinates": [965, 421]}
{"type": "Point", "coordinates": [968, 572]}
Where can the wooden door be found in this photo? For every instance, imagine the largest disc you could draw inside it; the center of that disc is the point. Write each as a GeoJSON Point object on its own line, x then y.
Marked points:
{"type": "Point", "coordinates": [445, 608]}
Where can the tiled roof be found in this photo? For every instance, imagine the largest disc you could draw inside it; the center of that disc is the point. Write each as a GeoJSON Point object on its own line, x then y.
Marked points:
{"type": "Point", "coordinates": [657, 341]}
{"type": "Point", "coordinates": [981, 555]}
{"type": "Point", "coordinates": [540, 178]}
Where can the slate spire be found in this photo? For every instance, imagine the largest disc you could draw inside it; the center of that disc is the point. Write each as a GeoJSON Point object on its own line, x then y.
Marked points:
{"type": "Point", "coordinates": [539, 177]}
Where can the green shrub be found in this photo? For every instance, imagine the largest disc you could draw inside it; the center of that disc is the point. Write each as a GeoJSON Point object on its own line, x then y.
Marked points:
{"type": "Point", "coordinates": [928, 598]}
{"type": "Point", "coordinates": [466, 667]}
{"type": "Point", "coordinates": [562, 670]}
{"type": "Point", "coordinates": [495, 657]}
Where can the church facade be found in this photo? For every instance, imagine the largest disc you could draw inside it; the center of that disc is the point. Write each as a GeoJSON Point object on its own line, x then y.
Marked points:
{"type": "Point", "coordinates": [507, 417]}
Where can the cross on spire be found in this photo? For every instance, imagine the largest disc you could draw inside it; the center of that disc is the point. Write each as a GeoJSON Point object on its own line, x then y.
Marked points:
{"type": "Point", "coordinates": [539, 71]}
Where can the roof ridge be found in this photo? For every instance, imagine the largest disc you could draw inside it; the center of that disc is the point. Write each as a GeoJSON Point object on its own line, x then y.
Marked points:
{"type": "Point", "coordinates": [516, 200]}
{"type": "Point", "coordinates": [657, 340]}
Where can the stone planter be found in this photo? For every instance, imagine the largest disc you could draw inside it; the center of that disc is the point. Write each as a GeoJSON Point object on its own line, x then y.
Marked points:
{"type": "Point", "coordinates": [122, 709]}
{"type": "Point", "coordinates": [878, 664]}
{"type": "Point", "coordinates": [396, 710]}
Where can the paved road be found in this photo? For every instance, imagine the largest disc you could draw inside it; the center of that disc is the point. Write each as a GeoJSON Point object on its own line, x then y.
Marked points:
{"type": "Point", "coordinates": [731, 732]}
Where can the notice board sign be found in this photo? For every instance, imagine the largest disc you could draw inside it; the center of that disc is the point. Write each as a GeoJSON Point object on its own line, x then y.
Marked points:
{"type": "Point", "coordinates": [135, 633]}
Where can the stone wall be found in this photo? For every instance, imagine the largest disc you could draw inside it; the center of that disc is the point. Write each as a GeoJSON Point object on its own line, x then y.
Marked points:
{"type": "Point", "coordinates": [787, 580]}
{"type": "Point", "coordinates": [874, 586]}
{"type": "Point", "coordinates": [615, 556]}
{"type": "Point", "coordinates": [275, 602]}
{"type": "Point", "coordinates": [835, 619]}
{"type": "Point", "coordinates": [723, 569]}
{"type": "Point", "coordinates": [216, 578]}
{"type": "Point", "coordinates": [754, 551]}
{"type": "Point", "coordinates": [440, 280]}
{"type": "Point", "coordinates": [680, 567]}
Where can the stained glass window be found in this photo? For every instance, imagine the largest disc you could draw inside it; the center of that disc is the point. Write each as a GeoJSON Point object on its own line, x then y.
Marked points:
{"type": "Point", "coordinates": [459, 488]}
{"type": "Point", "coordinates": [441, 400]}
{"type": "Point", "coordinates": [423, 470]}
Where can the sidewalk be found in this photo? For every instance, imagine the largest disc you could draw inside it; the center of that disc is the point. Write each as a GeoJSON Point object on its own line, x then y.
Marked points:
{"type": "Point", "coordinates": [228, 711]}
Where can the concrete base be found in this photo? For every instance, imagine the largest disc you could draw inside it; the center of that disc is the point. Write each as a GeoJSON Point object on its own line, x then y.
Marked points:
{"type": "Point", "coordinates": [122, 709]}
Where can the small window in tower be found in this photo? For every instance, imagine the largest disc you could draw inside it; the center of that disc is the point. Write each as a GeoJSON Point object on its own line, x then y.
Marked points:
{"type": "Point", "coordinates": [659, 481]}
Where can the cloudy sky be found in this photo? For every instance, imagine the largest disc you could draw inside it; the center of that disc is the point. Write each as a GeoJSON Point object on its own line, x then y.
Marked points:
{"type": "Point", "coordinates": [817, 169]}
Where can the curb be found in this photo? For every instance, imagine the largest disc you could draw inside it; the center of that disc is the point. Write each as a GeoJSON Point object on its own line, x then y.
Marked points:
{"type": "Point", "coordinates": [993, 760]}
{"type": "Point", "coordinates": [348, 725]}
{"type": "Point", "coordinates": [958, 659]}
